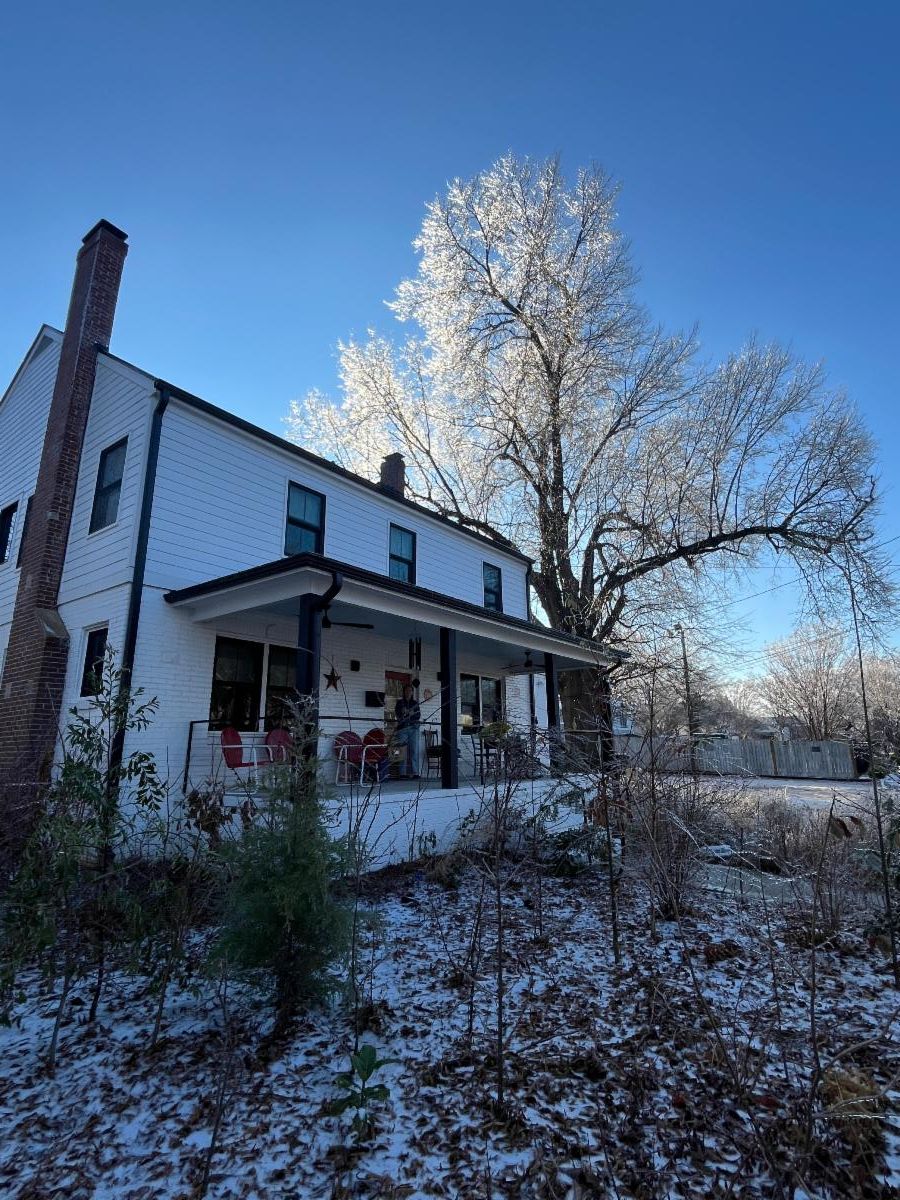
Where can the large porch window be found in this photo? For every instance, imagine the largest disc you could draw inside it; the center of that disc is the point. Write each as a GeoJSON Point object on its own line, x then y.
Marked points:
{"type": "Point", "coordinates": [236, 684]}
{"type": "Point", "coordinates": [480, 699]}
{"type": "Point", "coordinates": [281, 680]}
{"type": "Point", "coordinates": [237, 696]}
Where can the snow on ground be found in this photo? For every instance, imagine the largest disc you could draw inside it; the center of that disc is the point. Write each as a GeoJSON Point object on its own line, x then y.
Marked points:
{"type": "Point", "coordinates": [683, 1071]}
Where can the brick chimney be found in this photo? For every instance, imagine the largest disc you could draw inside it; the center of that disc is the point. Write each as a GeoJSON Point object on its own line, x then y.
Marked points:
{"type": "Point", "coordinates": [393, 474]}
{"type": "Point", "coordinates": [34, 672]}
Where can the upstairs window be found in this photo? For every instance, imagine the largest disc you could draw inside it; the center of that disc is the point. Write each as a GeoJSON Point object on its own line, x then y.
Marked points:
{"type": "Point", "coordinates": [7, 517]}
{"type": "Point", "coordinates": [109, 486]}
{"type": "Point", "coordinates": [24, 532]}
{"type": "Point", "coordinates": [94, 653]}
{"type": "Point", "coordinates": [402, 555]}
{"type": "Point", "coordinates": [305, 529]}
{"type": "Point", "coordinates": [493, 587]}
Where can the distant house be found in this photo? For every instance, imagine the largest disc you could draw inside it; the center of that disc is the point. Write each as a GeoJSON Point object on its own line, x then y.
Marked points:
{"type": "Point", "coordinates": [229, 568]}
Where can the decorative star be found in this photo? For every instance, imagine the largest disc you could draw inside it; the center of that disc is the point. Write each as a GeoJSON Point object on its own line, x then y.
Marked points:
{"type": "Point", "coordinates": [332, 679]}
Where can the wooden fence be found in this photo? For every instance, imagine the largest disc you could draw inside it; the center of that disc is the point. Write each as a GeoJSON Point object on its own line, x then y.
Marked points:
{"type": "Point", "coordinates": [745, 756]}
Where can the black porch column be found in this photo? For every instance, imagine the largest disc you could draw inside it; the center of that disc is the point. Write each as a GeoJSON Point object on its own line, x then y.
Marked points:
{"type": "Point", "coordinates": [309, 654]}
{"type": "Point", "coordinates": [449, 689]}
{"type": "Point", "coordinates": [553, 736]}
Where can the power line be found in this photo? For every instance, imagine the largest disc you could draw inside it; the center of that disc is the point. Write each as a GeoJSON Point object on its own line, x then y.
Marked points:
{"type": "Point", "coordinates": [778, 586]}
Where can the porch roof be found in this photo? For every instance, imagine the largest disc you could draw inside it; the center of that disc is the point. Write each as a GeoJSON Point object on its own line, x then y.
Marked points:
{"type": "Point", "coordinates": [275, 583]}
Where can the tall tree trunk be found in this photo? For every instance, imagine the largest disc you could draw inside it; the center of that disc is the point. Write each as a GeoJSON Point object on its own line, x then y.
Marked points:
{"type": "Point", "coordinates": [587, 715]}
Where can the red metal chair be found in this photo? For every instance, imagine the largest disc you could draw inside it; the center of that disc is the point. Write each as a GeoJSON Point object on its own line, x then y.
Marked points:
{"type": "Point", "coordinates": [375, 751]}
{"type": "Point", "coordinates": [348, 751]}
{"type": "Point", "coordinates": [279, 746]}
{"type": "Point", "coordinates": [233, 752]}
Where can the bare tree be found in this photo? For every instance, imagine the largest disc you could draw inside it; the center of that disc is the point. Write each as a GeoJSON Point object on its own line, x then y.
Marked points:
{"type": "Point", "coordinates": [809, 683]}
{"type": "Point", "coordinates": [540, 406]}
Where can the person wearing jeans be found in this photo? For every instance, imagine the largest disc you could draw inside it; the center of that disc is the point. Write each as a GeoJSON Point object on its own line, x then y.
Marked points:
{"type": "Point", "coordinates": [406, 731]}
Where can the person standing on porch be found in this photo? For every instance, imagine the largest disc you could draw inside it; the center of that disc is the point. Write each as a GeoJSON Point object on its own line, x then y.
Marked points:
{"type": "Point", "coordinates": [406, 732]}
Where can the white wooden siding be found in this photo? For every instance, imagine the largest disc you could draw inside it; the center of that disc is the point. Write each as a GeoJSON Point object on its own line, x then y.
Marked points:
{"type": "Point", "coordinates": [23, 420]}
{"type": "Point", "coordinates": [121, 406]}
{"type": "Point", "coordinates": [220, 507]}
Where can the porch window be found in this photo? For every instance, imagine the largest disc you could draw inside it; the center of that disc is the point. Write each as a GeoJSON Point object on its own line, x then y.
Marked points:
{"type": "Point", "coordinates": [305, 529]}
{"type": "Point", "coordinates": [236, 684]}
{"type": "Point", "coordinates": [105, 511]}
{"type": "Point", "coordinates": [7, 516]}
{"type": "Point", "coordinates": [25, 521]}
{"type": "Point", "coordinates": [281, 682]}
{"type": "Point", "coordinates": [480, 699]}
{"type": "Point", "coordinates": [403, 555]}
{"type": "Point", "coordinates": [493, 587]}
{"type": "Point", "coordinates": [94, 653]}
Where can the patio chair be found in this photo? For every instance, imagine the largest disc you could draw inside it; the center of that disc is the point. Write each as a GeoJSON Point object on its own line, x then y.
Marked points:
{"type": "Point", "coordinates": [432, 753]}
{"type": "Point", "coordinates": [279, 746]}
{"type": "Point", "coordinates": [233, 753]}
{"type": "Point", "coordinates": [348, 751]}
{"type": "Point", "coordinates": [375, 752]}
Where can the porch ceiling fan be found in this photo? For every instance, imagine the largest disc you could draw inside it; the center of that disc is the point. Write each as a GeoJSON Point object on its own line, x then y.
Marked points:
{"type": "Point", "coordinates": [525, 668]}
{"type": "Point", "coordinates": [327, 623]}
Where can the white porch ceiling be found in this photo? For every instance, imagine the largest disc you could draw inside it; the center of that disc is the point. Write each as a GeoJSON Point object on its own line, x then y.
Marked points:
{"type": "Point", "coordinates": [393, 614]}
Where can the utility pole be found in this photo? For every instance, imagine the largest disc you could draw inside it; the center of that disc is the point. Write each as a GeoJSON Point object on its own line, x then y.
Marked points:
{"type": "Point", "coordinates": [692, 749]}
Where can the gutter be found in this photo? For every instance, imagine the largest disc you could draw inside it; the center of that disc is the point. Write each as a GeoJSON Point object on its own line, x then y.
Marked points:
{"type": "Point", "coordinates": [136, 592]}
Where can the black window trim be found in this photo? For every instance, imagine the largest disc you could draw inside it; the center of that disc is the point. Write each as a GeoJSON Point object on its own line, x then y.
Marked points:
{"type": "Point", "coordinates": [410, 562]}
{"type": "Point", "coordinates": [12, 509]}
{"type": "Point", "coordinates": [499, 589]}
{"type": "Point", "coordinates": [87, 672]}
{"type": "Point", "coordinates": [289, 520]}
{"type": "Point", "coordinates": [98, 488]}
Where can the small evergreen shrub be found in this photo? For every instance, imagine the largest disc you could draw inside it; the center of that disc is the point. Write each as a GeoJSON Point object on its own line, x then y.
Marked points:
{"type": "Point", "coordinates": [282, 918]}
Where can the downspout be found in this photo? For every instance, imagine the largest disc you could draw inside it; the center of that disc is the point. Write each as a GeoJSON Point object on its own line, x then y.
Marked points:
{"type": "Point", "coordinates": [135, 595]}
{"type": "Point", "coordinates": [309, 655]}
{"type": "Point", "coordinates": [337, 582]}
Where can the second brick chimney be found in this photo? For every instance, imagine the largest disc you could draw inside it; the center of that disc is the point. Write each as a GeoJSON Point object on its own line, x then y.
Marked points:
{"type": "Point", "coordinates": [393, 474]}
{"type": "Point", "coordinates": [34, 671]}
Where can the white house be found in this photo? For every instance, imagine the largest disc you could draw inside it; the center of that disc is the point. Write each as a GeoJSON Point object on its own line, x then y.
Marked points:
{"type": "Point", "coordinates": [229, 567]}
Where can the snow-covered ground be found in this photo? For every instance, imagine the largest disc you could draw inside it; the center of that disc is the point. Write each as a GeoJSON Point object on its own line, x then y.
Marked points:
{"type": "Point", "coordinates": [682, 1071]}
{"type": "Point", "coordinates": [816, 793]}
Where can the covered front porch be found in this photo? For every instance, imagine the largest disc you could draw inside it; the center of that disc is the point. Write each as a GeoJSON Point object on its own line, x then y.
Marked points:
{"type": "Point", "coordinates": [485, 682]}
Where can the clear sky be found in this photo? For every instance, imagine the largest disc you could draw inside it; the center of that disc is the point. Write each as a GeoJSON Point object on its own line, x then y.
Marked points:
{"type": "Point", "coordinates": [270, 163]}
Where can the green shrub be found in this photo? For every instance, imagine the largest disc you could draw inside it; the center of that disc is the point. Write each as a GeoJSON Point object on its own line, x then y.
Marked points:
{"type": "Point", "coordinates": [281, 918]}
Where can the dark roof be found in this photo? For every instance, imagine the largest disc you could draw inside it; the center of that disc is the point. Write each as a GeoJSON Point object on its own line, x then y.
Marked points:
{"type": "Point", "coordinates": [222, 414]}
{"type": "Point", "coordinates": [282, 566]}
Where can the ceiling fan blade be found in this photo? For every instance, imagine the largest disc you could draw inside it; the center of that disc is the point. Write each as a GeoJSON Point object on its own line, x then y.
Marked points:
{"type": "Point", "coordinates": [352, 624]}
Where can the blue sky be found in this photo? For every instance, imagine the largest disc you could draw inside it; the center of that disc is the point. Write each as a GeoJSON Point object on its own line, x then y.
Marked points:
{"type": "Point", "coordinates": [270, 163]}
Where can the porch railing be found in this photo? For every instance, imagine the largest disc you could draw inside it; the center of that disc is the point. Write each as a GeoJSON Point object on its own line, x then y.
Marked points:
{"type": "Point", "coordinates": [521, 749]}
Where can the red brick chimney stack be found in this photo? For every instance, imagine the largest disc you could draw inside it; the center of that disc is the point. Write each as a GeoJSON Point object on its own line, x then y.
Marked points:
{"type": "Point", "coordinates": [34, 672]}
{"type": "Point", "coordinates": [393, 474]}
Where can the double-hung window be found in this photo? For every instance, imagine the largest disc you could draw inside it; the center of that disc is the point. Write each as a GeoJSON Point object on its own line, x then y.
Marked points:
{"type": "Point", "coordinates": [236, 684]}
{"type": "Point", "coordinates": [94, 653]}
{"type": "Point", "coordinates": [7, 518]}
{"type": "Point", "coordinates": [402, 555]}
{"type": "Point", "coordinates": [493, 587]}
{"type": "Point", "coordinates": [109, 486]}
{"type": "Point", "coordinates": [305, 529]}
